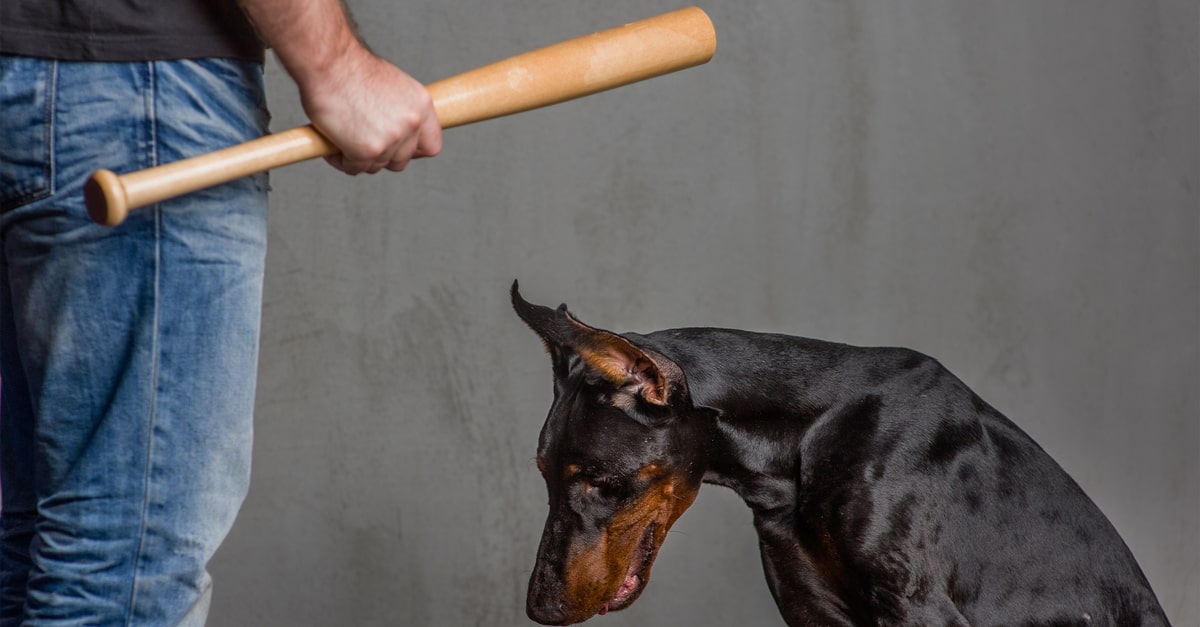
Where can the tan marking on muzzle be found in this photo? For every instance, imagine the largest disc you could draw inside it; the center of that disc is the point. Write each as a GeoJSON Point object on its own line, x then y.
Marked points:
{"type": "Point", "coordinates": [594, 573]}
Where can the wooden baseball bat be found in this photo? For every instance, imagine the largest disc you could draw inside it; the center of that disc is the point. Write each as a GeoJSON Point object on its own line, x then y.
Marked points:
{"type": "Point", "coordinates": [563, 71]}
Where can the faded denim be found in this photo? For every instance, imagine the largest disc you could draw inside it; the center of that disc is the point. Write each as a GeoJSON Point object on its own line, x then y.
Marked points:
{"type": "Point", "coordinates": [128, 354]}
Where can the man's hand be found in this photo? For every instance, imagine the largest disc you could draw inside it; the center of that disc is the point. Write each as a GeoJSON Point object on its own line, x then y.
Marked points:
{"type": "Point", "coordinates": [378, 116]}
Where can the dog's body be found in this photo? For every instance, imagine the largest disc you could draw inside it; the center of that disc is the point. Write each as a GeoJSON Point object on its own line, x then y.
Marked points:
{"type": "Point", "coordinates": [884, 491]}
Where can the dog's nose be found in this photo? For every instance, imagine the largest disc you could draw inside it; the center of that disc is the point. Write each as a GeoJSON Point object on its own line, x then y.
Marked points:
{"type": "Point", "coordinates": [547, 612]}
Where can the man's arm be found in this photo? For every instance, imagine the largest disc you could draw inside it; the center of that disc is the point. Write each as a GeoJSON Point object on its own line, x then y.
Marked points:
{"type": "Point", "coordinates": [378, 116]}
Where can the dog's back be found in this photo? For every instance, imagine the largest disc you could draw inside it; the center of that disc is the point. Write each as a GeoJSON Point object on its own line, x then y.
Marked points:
{"type": "Point", "coordinates": [911, 488]}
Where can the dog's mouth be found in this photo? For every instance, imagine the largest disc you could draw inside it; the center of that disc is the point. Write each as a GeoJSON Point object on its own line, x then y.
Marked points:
{"type": "Point", "coordinates": [635, 576]}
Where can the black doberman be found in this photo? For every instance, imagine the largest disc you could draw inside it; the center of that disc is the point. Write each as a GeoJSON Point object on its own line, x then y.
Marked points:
{"type": "Point", "coordinates": [884, 491]}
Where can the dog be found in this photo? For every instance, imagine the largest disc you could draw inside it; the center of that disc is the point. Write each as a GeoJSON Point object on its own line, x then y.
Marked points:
{"type": "Point", "coordinates": [883, 490]}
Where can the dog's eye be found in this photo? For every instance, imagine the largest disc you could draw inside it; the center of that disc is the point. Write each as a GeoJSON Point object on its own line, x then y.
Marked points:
{"type": "Point", "coordinates": [591, 484]}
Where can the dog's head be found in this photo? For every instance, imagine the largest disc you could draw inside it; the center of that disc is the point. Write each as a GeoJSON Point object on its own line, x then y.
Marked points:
{"type": "Point", "coordinates": [613, 456]}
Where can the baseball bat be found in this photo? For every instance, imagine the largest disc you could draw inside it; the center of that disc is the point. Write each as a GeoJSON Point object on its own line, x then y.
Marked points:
{"type": "Point", "coordinates": [557, 73]}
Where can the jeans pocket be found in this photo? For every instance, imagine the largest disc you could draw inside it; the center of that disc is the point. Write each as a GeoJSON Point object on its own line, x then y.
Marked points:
{"type": "Point", "coordinates": [26, 130]}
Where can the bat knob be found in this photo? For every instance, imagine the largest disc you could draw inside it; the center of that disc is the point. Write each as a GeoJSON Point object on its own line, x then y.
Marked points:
{"type": "Point", "coordinates": [104, 195]}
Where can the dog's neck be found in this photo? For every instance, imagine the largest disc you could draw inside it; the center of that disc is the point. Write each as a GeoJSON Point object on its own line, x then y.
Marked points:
{"type": "Point", "coordinates": [756, 456]}
{"type": "Point", "coordinates": [766, 408]}
{"type": "Point", "coordinates": [769, 390]}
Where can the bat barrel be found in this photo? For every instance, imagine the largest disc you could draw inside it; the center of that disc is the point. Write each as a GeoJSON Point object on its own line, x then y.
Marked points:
{"type": "Point", "coordinates": [578, 67]}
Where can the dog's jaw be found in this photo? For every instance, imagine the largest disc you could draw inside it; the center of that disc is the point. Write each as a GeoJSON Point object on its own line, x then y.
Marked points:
{"type": "Point", "coordinates": [636, 576]}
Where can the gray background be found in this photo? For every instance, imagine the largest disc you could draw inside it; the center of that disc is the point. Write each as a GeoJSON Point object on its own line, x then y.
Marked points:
{"type": "Point", "coordinates": [1008, 186]}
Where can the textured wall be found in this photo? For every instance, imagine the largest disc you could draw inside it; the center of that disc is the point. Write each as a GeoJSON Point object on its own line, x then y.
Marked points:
{"type": "Point", "coordinates": [1008, 186]}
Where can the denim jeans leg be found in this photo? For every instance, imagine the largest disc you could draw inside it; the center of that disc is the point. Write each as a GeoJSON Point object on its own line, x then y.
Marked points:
{"type": "Point", "coordinates": [132, 351]}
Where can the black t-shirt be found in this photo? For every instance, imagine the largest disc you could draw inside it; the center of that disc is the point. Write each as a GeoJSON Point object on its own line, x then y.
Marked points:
{"type": "Point", "coordinates": [127, 30]}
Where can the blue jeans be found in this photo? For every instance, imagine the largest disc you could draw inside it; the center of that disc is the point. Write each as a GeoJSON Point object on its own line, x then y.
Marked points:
{"type": "Point", "coordinates": [128, 354]}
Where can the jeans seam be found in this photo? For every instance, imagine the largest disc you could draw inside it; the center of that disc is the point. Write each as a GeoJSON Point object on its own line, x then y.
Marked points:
{"type": "Point", "coordinates": [51, 118]}
{"type": "Point", "coordinates": [46, 87]}
{"type": "Point", "coordinates": [152, 124]}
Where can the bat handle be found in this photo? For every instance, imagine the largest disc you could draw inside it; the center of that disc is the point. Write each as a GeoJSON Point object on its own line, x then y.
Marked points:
{"type": "Point", "coordinates": [109, 197]}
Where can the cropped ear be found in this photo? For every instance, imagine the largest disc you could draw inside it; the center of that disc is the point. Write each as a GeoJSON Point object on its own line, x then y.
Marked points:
{"type": "Point", "coordinates": [614, 358]}
{"type": "Point", "coordinates": [546, 323]}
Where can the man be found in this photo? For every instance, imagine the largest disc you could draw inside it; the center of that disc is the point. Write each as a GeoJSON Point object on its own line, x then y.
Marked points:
{"type": "Point", "coordinates": [128, 354]}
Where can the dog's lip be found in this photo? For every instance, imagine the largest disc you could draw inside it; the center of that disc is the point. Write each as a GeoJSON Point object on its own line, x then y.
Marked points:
{"type": "Point", "coordinates": [635, 575]}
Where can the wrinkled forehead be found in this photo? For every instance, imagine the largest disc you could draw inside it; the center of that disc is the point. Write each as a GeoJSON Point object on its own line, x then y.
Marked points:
{"type": "Point", "coordinates": [582, 429]}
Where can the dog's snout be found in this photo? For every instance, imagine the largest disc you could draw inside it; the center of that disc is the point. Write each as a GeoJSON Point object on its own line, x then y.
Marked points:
{"type": "Point", "coordinates": [546, 612]}
{"type": "Point", "coordinates": [544, 603]}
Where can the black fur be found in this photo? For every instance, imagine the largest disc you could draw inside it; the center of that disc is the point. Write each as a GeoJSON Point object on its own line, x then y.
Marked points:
{"type": "Point", "coordinates": [884, 491]}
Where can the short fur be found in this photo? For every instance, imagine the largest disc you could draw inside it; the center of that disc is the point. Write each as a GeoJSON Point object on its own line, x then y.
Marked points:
{"type": "Point", "coordinates": [884, 491]}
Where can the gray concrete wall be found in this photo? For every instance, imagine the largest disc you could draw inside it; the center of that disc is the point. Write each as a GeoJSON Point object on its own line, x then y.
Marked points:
{"type": "Point", "coordinates": [1008, 186]}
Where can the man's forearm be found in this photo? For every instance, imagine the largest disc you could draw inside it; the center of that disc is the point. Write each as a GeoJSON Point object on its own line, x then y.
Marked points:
{"type": "Point", "coordinates": [310, 37]}
{"type": "Point", "coordinates": [377, 115]}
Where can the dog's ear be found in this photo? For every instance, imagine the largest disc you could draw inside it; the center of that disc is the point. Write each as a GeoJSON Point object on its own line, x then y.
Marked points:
{"type": "Point", "coordinates": [624, 365]}
{"type": "Point", "coordinates": [612, 357]}
{"type": "Point", "coordinates": [545, 322]}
